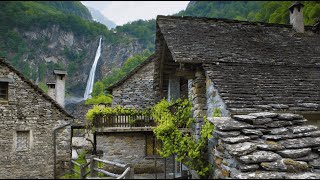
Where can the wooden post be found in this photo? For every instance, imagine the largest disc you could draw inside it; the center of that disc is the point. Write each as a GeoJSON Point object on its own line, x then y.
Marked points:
{"type": "Point", "coordinates": [82, 172]}
{"type": "Point", "coordinates": [131, 174]}
{"type": "Point", "coordinates": [71, 167]}
{"type": "Point", "coordinates": [93, 165]}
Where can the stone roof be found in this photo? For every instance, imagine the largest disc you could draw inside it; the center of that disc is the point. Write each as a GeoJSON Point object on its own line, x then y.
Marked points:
{"type": "Point", "coordinates": [196, 40]}
{"type": "Point", "coordinates": [135, 70]}
{"type": "Point", "coordinates": [296, 4]}
{"type": "Point", "coordinates": [265, 87]}
{"type": "Point", "coordinates": [254, 66]}
{"type": "Point", "coordinates": [36, 88]}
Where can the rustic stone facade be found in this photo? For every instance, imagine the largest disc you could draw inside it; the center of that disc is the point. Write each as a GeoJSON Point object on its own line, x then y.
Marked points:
{"type": "Point", "coordinates": [265, 145]}
{"type": "Point", "coordinates": [197, 93]}
{"type": "Point", "coordinates": [136, 90]}
{"type": "Point", "coordinates": [128, 148]}
{"type": "Point", "coordinates": [214, 100]}
{"type": "Point", "coordinates": [27, 122]}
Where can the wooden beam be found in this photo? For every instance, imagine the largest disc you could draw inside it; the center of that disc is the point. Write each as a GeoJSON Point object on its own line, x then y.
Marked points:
{"type": "Point", "coordinates": [161, 68]}
{"type": "Point", "coordinates": [185, 73]}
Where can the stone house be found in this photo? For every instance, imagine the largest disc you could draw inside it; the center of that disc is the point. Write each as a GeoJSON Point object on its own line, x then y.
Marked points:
{"type": "Point", "coordinates": [135, 145]}
{"type": "Point", "coordinates": [241, 67]}
{"type": "Point", "coordinates": [135, 90]}
{"type": "Point", "coordinates": [35, 136]}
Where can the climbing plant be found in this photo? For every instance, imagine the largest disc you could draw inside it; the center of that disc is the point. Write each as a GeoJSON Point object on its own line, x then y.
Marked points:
{"type": "Point", "coordinates": [170, 117]}
{"type": "Point", "coordinates": [118, 110]}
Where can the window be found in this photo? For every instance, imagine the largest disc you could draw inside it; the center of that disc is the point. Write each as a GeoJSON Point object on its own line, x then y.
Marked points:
{"type": "Point", "coordinates": [3, 91]}
{"type": "Point", "coordinates": [22, 140]}
{"type": "Point", "coordinates": [152, 145]}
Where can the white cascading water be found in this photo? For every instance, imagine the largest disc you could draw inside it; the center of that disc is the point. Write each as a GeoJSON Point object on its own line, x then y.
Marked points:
{"type": "Point", "coordinates": [90, 81]}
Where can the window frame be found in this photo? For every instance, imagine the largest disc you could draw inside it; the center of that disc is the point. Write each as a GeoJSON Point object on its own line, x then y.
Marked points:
{"type": "Point", "coordinates": [5, 88]}
{"type": "Point", "coordinates": [28, 142]}
{"type": "Point", "coordinates": [155, 144]}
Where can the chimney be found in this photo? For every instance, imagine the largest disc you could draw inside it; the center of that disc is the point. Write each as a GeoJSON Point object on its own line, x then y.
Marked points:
{"type": "Point", "coordinates": [296, 16]}
{"type": "Point", "coordinates": [51, 89]}
{"type": "Point", "coordinates": [60, 86]}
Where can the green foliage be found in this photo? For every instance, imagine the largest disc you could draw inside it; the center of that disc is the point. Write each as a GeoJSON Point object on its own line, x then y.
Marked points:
{"type": "Point", "coordinates": [144, 31]}
{"type": "Point", "coordinates": [43, 86]}
{"type": "Point", "coordinates": [170, 116]}
{"type": "Point", "coordinates": [69, 7]}
{"type": "Point", "coordinates": [222, 9]}
{"type": "Point", "coordinates": [81, 160]}
{"type": "Point", "coordinates": [104, 111]}
{"type": "Point", "coordinates": [98, 89]}
{"type": "Point", "coordinates": [265, 11]}
{"type": "Point", "coordinates": [217, 112]}
{"type": "Point", "coordinates": [100, 99]}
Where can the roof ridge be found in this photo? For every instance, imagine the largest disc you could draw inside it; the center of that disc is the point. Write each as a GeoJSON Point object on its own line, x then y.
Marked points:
{"type": "Point", "coordinates": [259, 23]}
{"type": "Point", "coordinates": [35, 87]}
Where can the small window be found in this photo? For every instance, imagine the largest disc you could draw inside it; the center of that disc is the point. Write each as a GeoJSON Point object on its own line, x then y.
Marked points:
{"type": "Point", "coordinates": [152, 145]}
{"type": "Point", "coordinates": [3, 91]}
{"type": "Point", "coordinates": [23, 140]}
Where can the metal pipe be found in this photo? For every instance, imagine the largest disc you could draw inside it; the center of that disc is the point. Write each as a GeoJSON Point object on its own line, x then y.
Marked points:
{"type": "Point", "coordinates": [54, 147]}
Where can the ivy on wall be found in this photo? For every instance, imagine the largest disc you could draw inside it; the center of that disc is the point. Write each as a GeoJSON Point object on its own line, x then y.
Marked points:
{"type": "Point", "coordinates": [170, 118]}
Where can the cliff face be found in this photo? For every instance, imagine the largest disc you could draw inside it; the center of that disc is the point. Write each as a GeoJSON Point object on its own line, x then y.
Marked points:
{"type": "Point", "coordinates": [52, 48]}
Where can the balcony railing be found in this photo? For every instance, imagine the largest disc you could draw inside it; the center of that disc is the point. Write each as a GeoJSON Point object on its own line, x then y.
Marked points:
{"type": "Point", "coordinates": [101, 121]}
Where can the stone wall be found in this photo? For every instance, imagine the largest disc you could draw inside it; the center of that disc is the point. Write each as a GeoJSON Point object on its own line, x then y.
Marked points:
{"type": "Point", "coordinates": [127, 148]}
{"type": "Point", "coordinates": [199, 101]}
{"type": "Point", "coordinates": [214, 100]}
{"type": "Point", "coordinates": [31, 112]}
{"type": "Point", "coordinates": [265, 145]}
{"type": "Point", "coordinates": [137, 91]}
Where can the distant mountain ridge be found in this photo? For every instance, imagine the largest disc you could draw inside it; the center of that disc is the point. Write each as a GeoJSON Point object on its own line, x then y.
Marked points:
{"type": "Point", "coordinates": [97, 16]}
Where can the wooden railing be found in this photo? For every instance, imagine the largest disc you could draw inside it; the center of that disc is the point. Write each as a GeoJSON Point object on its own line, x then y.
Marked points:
{"type": "Point", "coordinates": [128, 172]}
{"type": "Point", "coordinates": [123, 121]}
{"type": "Point", "coordinates": [83, 167]}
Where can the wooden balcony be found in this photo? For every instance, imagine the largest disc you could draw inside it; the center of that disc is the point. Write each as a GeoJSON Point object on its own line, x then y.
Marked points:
{"type": "Point", "coordinates": [123, 123]}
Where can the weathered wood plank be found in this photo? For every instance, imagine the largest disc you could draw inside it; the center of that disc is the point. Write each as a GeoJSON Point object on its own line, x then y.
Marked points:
{"type": "Point", "coordinates": [124, 173]}
{"type": "Point", "coordinates": [106, 172]}
{"type": "Point", "coordinates": [110, 162]}
{"type": "Point", "coordinates": [74, 162]}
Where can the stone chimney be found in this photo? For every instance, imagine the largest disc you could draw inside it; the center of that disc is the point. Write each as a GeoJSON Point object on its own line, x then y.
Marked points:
{"type": "Point", "coordinates": [60, 86]}
{"type": "Point", "coordinates": [296, 16]}
{"type": "Point", "coordinates": [51, 89]}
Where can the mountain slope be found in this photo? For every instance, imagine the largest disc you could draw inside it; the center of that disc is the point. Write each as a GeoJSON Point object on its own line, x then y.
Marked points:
{"type": "Point", "coordinates": [265, 11]}
{"type": "Point", "coordinates": [36, 38]}
{"type": "Point", "coordinates": [97, 16]}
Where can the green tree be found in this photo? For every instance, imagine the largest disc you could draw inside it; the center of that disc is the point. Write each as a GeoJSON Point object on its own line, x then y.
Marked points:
{"type": "Point", "coordinates": [98, 89]}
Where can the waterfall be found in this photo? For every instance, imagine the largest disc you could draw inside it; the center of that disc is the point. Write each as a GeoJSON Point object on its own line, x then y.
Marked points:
{"type": "Point", "coordinates": [90, 81]}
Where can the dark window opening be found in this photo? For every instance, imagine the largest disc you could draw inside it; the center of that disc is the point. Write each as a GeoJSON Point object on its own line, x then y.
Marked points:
{"type": "Point", "coordinates": [152, 144]}
{"type": "Point", "coordinates": [3, 91]}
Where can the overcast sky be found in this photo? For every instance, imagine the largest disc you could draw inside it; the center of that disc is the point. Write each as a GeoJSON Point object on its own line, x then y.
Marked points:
{"type": "Point", "coordinates": [121, 12]}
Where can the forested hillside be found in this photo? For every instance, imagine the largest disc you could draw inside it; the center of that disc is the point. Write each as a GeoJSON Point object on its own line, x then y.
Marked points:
{"type": "Point", "coordinates": [265, 11]}
{"type": "Point", "coordinates": [39, 36]}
